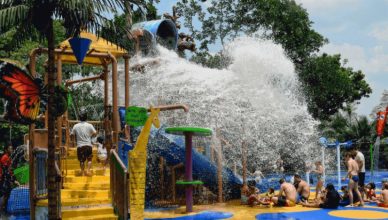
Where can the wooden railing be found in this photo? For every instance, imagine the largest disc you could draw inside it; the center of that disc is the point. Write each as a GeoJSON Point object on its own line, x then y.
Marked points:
{"type": "Point", "coordinates": [119, 180]}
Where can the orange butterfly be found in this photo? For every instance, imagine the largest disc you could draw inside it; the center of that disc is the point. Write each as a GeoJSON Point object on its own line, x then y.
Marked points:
{"type": "Point", "coordinates": [26, 95]}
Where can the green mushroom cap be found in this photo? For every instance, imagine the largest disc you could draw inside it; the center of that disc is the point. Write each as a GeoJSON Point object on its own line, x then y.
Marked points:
{"type": "Point", "coordinates": [196, 131]}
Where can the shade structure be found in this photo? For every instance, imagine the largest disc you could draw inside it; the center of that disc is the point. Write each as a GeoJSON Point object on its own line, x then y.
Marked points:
{"type": "Point", "coordinates": [98, 45]}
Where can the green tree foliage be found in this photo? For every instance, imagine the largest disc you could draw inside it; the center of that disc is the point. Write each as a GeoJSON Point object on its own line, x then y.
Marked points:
{"type": "Point", "coordinates": [284, 21]}
{"type": "Point", "coordinates": [329, 85]}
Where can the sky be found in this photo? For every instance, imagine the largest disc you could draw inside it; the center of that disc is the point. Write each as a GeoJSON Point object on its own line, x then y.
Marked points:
{"type": "Point", "coordinates": [356, 29]}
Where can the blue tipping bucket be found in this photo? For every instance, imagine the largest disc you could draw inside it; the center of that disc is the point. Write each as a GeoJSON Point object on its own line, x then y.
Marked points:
{"type": "Point", "coordinates": [80, 47]}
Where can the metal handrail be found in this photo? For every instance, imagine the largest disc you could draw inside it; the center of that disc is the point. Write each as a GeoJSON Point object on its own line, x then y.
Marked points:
{"type": "Point", "coordinates": [119, 185]}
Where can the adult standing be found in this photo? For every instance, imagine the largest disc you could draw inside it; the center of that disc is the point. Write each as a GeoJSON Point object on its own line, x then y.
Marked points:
{"type": "Point", "coordinates": [353, 177]}
{"type": "Point", "coordinates": [360, 159]}
{"type": "Point", "coordinates": [83, 133]}
{"type": "Point", "coordinates": [258, 176]}
{"type": "Point", "coordinates": [319, 169]}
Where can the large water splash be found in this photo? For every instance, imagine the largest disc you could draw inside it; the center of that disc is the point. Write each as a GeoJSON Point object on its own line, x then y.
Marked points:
{"type": "Point", "coordinates": [255, 100]}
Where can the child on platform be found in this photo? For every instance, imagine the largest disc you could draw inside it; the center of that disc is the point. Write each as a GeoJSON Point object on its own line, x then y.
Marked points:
{"type": "Point", "coordinates": [102, 154]}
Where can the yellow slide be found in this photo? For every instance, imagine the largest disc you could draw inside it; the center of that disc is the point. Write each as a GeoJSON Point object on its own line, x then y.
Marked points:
{"type": "Point", "coordinates": [137, 167]}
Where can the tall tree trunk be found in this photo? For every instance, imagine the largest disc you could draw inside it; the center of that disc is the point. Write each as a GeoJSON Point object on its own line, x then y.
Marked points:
{"type": "Point", "coordinates": [53, 212]}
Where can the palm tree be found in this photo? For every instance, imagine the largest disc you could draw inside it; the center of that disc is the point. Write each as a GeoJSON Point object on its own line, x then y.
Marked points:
{"type": "Point", "coordinates": [346, 125]}
{"type": "Point", "coordinates": [30, 16]}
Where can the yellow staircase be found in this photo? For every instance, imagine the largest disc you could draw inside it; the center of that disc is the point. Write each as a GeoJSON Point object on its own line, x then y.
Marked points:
{"type": "Point", "coordinates": [84, 197]}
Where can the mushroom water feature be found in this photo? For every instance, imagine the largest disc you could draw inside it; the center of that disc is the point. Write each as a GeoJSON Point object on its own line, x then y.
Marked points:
{"type": "Point", "coordinates": [189, 132]}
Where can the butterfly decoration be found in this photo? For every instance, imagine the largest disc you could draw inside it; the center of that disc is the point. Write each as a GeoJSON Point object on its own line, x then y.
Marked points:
{"type": "Point", "coordinates": [27, 96]}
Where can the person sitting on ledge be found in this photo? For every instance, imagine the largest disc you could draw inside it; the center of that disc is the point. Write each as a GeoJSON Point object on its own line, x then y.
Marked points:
{"type": "Point", "coordinates": [289, 197]}
{"type": "Point", "coordinates": [331, 199]}
{"type": "Point", "coordinates": [384, 196]}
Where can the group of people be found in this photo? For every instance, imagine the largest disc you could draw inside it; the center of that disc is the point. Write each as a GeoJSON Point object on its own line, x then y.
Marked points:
{"type": "Point", "coordinates": [83, 132]}
{"type": "Point", "coordinates": [328, 197]}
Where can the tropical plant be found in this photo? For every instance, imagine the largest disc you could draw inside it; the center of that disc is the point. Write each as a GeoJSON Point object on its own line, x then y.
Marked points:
{"type": "Point", "coordinates": [347, 125]}
{"type": "Point", "coordinates": [37, 16]}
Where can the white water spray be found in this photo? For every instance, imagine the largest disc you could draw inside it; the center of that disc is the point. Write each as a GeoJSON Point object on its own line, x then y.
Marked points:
{"type": "Point", "coordinates": [256, 100]}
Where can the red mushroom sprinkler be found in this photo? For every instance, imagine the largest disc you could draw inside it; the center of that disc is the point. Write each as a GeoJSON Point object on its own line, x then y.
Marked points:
{"type": "Point", "coordinates": [189, 132]}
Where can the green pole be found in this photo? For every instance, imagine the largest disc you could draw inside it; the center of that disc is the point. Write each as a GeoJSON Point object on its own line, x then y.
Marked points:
{"type": "Point", "coordinates": [371, 158]}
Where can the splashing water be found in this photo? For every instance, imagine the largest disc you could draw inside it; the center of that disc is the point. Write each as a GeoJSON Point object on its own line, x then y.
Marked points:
{"type": "Point", "coordinates": [376, 150]}
{"type": "Point", "coordinates": [256, 99]}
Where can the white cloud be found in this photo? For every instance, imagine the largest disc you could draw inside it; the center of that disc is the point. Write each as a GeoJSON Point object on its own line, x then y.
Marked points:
{"type": "Point", "coordinates": [380, 31]}
{"type": "Point", "coordinates": [375, 63]}
{"type": "Point", "coordinates": [319, 5]}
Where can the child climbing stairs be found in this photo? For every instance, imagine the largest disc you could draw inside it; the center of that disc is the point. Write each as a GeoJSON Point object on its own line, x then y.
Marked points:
{"type": "Point", "coordinates": [85, 197]}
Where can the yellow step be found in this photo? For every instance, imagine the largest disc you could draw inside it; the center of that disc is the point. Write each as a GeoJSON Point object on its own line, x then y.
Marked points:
{"type": "Point", "coordinates": [87, 212]}
{"type": "Point", "coordinates": [97, 217]}
{"type": "Point", "coordinates": [96, 171]}
{"type": "Point", "coordinates": [78, 201]}
{"type": "Point", "coordinates": [70, 193]}
{"type": "Point", "coordinates": [74, 166]}
{"type": "Point", "coordinates": [87, 185]}
{"type": "Point", "coordinates": [86, 179]}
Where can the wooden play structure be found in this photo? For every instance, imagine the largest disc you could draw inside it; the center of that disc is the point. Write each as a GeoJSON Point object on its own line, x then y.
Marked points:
{"type": "Point", "coordinates": [122, 188]}
{"type": "Point", "coordinates": [101, 53]}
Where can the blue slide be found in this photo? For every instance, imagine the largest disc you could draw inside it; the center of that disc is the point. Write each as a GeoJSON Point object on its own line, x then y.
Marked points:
{"type": "Point", "coordinates": [172, 148]}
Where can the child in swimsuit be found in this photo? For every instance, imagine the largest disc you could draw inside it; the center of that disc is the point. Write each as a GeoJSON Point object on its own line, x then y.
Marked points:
{"type": "Point", "coordinates": [102, 154]}
{"type": "Point", "coordinates": [268, 196]}
{"type": "Point", "coordinates": [370, 190]}
{"type": "Point", "coordinates": [384, 197]}
{"type": "Point", "coordinates": [254, 196]}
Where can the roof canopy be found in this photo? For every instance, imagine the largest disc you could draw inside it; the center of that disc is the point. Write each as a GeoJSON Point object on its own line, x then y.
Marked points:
{"type": "Point", "coordinates": [98, 45]}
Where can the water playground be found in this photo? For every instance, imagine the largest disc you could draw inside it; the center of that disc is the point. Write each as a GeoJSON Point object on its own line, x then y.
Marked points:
{"type": "Point", "coordinates": [181, 138]}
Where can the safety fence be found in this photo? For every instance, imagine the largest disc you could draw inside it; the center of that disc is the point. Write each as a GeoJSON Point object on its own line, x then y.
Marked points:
{"type": "Point", "coordinates": [39, 188]}
{"type": "Point", "coordinates": [40, 157]}
{"type": "Point", "coordinates": [119, 180]}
